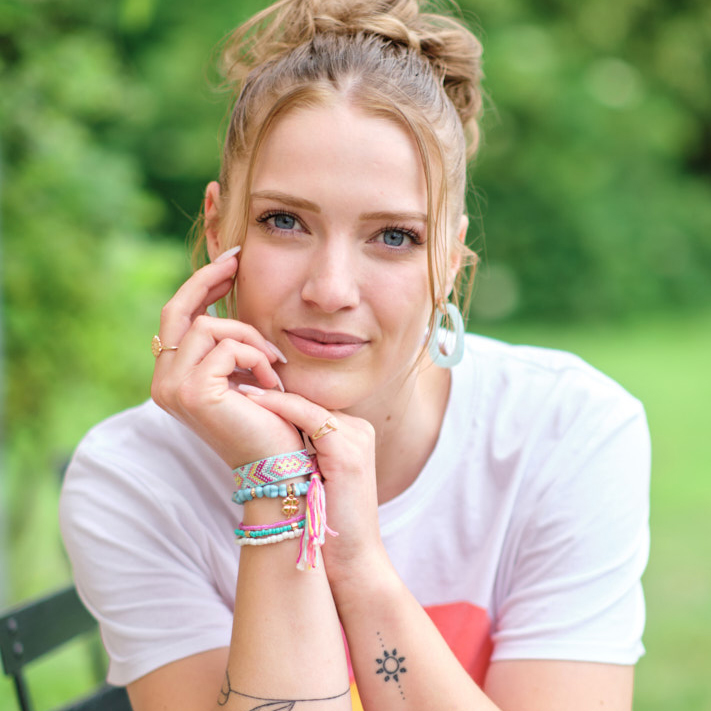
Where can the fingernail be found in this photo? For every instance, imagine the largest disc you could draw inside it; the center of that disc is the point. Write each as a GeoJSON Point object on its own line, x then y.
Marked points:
{"type": "Point", "coordinates": [250, 389]}
{"type": "Point", "coordinates": [276, 352]}
{"type": "Point", "coordinates": [229, 253]}
{"type": "Point", "coordinates": [279, 383]}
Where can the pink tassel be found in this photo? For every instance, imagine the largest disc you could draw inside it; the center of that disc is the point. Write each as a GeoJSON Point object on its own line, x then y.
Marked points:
{"type": "Point", "coordinates": [314, 534]}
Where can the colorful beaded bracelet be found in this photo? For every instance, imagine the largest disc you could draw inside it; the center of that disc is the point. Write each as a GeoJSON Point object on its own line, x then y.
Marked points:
{"type": "Point", "coordinates": [274, 469]}
{"type": "Point", "coordinates": [262, 531]}
{"type": "Point", "coordinates": [267, 472]}
{"type": "Point", "coordinates": [268, 539]}
{"type": "Point", "coordinates": [265, 526]}
{"type": "Point", "coordinates": [270, 491]}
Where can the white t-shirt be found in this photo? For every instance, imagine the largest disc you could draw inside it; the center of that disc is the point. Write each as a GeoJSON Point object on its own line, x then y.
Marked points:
{"type": "Point", "coordinates": [524, 536]}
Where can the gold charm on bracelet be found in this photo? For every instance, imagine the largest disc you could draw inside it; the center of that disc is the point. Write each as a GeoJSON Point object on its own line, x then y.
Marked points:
{"type": "Point", "coordinates": [290, 505]}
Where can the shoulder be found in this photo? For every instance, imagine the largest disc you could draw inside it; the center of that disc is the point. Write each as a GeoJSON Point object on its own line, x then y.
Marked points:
{"type": "Point", "coordinates": [544, 422]}
{"type": "Point", "coordinates": [126, 433]}
{"type": "Point", "coordinates": [140, 463]}
{"type": "Point", "coordinates": [536, 382]}
{"type": "Point", "coordinates": [144, 442]}
{"type": "Point", "coordinates": [545, 364]}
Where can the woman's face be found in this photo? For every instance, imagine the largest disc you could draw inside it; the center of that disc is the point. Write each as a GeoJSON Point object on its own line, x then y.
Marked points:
{"type": "Point", "coordinates": [334, 266]}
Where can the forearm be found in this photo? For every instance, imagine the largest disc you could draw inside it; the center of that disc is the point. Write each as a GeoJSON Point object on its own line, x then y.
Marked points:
{"type": "Point", "coordinates": [399, 658]}
{"type": "Point", "coordinates": [286, 642]}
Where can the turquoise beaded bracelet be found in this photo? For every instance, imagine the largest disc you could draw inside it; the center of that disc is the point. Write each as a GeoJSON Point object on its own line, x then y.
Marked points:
{"type": "Point", "coordinates": [264, 532]}
{"type": "Point", "coordinates": [277, 538]}
{"type": "Point", "coordinates": [270, 491]}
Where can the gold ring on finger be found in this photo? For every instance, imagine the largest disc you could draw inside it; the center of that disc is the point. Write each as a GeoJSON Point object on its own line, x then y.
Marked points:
{"type": "Point", "coordinates": [330, 425]}
{"type": "Point", "coordinates": [157, 346]}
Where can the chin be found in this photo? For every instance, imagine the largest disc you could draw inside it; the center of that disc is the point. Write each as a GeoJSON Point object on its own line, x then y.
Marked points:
{"type": "Point", "coordinates": [332, 396]}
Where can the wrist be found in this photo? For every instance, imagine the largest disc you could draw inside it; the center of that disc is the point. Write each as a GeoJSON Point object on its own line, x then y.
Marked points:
{"type": "Point", "coordinates": [365, 576]}
{"type": "Point", "coordinates": [267, 479]}
{"type": "Point", "coordinates": [238, 458]}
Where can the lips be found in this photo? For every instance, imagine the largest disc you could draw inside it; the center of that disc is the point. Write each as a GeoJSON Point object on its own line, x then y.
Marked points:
{"type": "Point", "coordinates": [325, 344]}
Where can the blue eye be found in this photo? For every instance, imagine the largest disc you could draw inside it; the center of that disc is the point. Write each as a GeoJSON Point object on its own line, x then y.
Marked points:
{"type": "Point", "coordinates": [284, 222]}
{"type": "Point", "coordinates": [399, 238]}
{"type": "Point", "coordinates": [394, 238]}
{"type": "Point", "coordinates": [278, 221]}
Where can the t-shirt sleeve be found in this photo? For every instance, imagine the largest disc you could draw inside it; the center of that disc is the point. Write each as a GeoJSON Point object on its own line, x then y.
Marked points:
{"type": "Point", "coordinates": [141, 566]}
{"type": "Point", "coordinates": [571, 586]}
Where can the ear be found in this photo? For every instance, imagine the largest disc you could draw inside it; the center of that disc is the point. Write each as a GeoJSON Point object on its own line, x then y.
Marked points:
{"type": "Point", "coordinates": [212, 220]}
{"type": "Point", "coordinates": [455, 258]}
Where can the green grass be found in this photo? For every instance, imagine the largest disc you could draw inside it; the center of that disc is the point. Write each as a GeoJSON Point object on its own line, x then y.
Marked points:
{"type": "Point", "coordinates": [666, 362]}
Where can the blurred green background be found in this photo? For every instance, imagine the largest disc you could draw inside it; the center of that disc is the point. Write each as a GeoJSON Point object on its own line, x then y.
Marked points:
{"type": "Point", "coordinates": [591, 206]}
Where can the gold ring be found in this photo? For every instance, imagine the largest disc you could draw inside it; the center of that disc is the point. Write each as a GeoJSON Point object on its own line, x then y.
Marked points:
{"type": "Point", "coordinates": [157, 347]}
{"type": "Point", "coordinates": [330, 425]}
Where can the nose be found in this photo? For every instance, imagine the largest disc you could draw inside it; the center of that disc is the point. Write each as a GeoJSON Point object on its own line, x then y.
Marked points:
{"type": "Point", "coordinates": [332, 283]}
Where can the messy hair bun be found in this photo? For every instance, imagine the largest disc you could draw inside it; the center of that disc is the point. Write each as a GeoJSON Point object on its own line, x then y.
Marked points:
{"type": "Point", "coordinates": [451, 49]}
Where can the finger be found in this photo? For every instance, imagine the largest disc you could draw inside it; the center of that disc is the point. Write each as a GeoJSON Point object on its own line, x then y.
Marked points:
{"type": "Point", "coordinates": [304, 414]}
{"type": "Point", "coordinates": [202, 289]}
{"type": "Point", "coordinates": [207, 331]}
{"type": "Point", "coordinates": [229, 356]}
{"type": "Point", "coordinates": [214, 295]}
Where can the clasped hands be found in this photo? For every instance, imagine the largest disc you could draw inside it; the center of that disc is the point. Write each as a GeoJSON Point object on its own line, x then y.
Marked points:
{"type": "Point", "coordinates": [217, 377]}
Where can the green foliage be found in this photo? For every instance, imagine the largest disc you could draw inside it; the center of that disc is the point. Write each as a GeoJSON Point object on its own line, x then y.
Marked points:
{"type": "Point", "coordinates": [81, 276]}
{"type": "Point", "coordinates": [596, 171]}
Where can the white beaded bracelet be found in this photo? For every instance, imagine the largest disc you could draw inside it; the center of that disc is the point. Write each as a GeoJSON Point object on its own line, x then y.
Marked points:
{"type": "Point", "coordinates": [263, 541]}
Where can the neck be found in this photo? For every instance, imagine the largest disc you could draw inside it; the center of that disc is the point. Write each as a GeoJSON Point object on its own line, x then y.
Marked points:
{"type": "Point", "coordinates": [407, 424]}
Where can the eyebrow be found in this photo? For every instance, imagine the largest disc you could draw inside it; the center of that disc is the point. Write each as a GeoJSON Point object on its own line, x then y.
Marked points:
{"type": "Point", "coordinates": [394, 216]}
{"type": "Point", "coordinates": [293, 201]}
{"type": "Point", "coordinates": [287, 199]}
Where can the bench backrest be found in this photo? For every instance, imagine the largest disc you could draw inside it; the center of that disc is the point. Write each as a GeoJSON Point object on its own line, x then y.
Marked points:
{"type": "Point", "coordinates": [33, 629]}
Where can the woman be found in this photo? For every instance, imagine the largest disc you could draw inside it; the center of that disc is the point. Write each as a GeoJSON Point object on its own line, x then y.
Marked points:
{"type": "Point", "coordinates": [486, 504]}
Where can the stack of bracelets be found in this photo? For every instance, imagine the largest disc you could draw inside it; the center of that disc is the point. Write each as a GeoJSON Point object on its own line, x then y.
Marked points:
{"type": "Point", "coordinates": [265, 479]}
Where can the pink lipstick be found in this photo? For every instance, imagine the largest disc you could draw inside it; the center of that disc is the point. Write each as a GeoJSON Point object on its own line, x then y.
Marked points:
{"type": "Point", "coordinates": [325, 344]}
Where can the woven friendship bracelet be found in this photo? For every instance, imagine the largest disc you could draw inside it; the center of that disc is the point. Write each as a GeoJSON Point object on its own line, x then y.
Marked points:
{"type": "Point", "coordinates": [270, 491]}
{"type": "Point", "coordinates": [275, 469]}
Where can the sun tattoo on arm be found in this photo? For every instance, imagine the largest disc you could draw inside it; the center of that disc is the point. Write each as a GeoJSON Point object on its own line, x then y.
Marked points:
{"type": "Point", "coordinates": [391, 666]}
{"type": "Point", "coordinates": [265, 704]}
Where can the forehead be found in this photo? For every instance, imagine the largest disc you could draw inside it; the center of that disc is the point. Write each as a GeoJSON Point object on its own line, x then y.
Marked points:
{"type": "Point", "coordinates": [337, 151]}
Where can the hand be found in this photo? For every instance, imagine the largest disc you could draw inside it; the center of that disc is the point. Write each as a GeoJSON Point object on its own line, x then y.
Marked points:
{"type": "Point", "coordinates": [346, 458]}
{"type": "Point", "coordinates": [197, 382]}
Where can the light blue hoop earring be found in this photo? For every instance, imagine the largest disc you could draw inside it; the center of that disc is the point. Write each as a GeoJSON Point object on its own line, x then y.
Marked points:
{"type": "Point", "coordinates": [447, 360]}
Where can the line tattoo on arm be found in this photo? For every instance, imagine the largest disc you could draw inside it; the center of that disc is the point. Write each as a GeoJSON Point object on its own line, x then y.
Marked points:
{"type": "Point", "coordinates": [268, 704]}
{"type": "Point", "coordinates": [390, 665]}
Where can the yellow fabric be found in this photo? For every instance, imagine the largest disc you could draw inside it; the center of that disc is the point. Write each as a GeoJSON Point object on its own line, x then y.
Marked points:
{"type": "Point", "coordinates": [355, 698]}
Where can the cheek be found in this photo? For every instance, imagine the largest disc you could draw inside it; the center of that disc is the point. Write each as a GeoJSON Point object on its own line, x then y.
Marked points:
{"type": "Point", "coordinates": [264, 280]}
{"type": "Point", "coordinates": [403, 303]}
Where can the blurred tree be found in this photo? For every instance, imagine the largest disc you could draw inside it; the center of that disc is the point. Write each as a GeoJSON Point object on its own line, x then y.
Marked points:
{"type": "Point", "coordinates": [81, 279]}
{"type": "Point", "coordinates": [596, 174]}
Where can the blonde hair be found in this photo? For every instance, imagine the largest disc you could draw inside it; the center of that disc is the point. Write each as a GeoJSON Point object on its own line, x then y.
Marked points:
{"type": "Point", "coordinates": [390, 59]}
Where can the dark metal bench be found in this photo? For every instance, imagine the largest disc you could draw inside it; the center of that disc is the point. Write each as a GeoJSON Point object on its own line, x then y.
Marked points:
{"type": "Point", "coordinates": [31, 630]}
